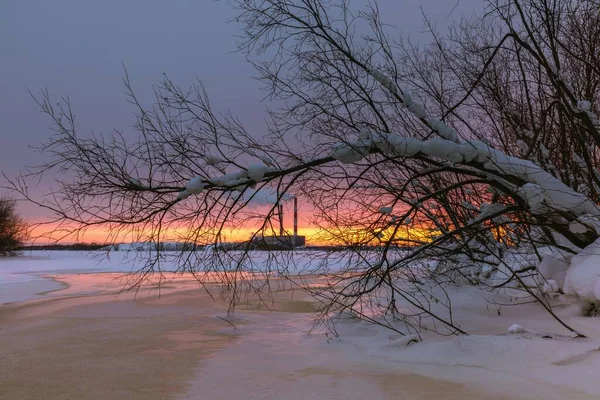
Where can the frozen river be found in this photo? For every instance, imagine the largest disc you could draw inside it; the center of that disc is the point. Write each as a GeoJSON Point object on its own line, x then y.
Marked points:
{"type": "Point", "coordinates": [29, 276]}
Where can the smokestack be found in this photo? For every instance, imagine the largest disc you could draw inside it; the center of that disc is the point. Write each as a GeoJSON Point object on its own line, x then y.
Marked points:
{"type": "Point", "coordinates": [280, 219]}
{"type": "Point", "coordinates": [295, 217]}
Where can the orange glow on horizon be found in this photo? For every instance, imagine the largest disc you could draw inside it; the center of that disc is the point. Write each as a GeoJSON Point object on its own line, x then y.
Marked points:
{"type": "Point", "coordinates": [45, 234]}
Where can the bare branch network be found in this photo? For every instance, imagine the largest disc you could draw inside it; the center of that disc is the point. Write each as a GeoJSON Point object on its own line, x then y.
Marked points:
{"type": "Point", "coordinates": [485, 140]}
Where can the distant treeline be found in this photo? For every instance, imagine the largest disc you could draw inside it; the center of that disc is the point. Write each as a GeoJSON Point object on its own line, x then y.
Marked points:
{"type": "Point", "coordinates": [162, 246]}
{"type": "Point", "coordinates": [72, 247]}
{"type": "Point", "coordinates": [346, 248]}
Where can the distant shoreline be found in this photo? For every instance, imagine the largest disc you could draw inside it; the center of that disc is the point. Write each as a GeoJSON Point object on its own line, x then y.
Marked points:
{"type": "Point", "coordinates": [64, 285]}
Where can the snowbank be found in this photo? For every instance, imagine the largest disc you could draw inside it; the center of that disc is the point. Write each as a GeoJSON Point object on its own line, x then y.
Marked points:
{"type": "Point", "coordinates": [583, 276]}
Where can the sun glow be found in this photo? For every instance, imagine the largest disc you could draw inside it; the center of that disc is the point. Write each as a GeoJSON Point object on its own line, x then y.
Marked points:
{"type": "Point", "coordinates": [366, 234]}
{"type": "Point", "coordinates": [48, 233]}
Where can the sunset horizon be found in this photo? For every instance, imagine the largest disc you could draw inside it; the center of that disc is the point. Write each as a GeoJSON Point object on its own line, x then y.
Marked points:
{"type": "Point", "coordinates": [300, 199]}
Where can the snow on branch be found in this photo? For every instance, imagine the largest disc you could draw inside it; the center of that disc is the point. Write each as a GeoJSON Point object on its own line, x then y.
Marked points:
{"type": "Point", "coordinates": [442, 129]}
{"type": "Point", "coordinates": [539, 188]}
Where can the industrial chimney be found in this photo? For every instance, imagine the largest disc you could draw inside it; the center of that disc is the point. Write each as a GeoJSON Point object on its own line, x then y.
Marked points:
{"type": "Point", "coordinates": [295, 218]}
{"type": "Point", "coordinates": [281, 231]}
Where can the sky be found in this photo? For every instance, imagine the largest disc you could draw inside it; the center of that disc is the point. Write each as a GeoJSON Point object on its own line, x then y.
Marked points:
{"type": "Point", "coordinates": [78, 48]}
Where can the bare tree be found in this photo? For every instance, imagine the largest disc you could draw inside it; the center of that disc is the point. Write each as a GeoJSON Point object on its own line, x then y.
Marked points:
{"type": "Point", "coordinates": [13, 230]}
{"type": "Point", "coordinates": [448, 148]}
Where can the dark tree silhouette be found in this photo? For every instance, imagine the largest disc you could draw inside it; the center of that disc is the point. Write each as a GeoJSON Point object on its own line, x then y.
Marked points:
{"type": "Point", "coordinates": [13, 230]}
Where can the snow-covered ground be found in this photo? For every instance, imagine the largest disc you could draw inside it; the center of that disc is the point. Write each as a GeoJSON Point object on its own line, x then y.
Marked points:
{"type": "Point", "coordinates": [512, 352]}
{"type": "Point", "coordinates": [367, 361]}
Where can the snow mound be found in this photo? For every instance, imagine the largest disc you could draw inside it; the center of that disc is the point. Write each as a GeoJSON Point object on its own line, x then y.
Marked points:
{"type": "Point", "coordinates": [515, 329]}
{"type": "Point", "coordinates": [583, 276]}
{"type": "Point", "coordinates": [583, 279]}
